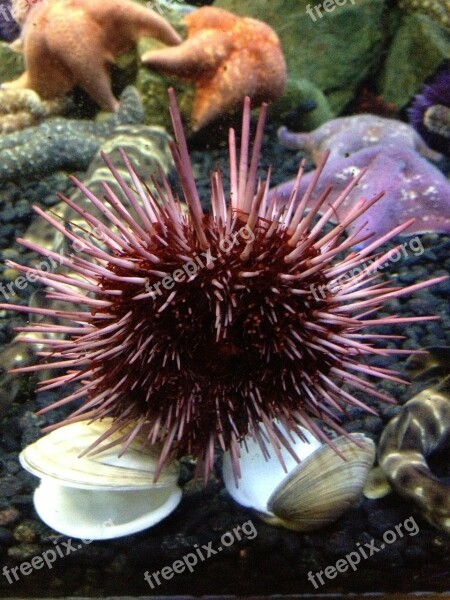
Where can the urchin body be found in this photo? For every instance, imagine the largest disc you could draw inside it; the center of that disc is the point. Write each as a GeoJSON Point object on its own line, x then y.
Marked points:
{"type": "Point", "coordinates": [202, 356]}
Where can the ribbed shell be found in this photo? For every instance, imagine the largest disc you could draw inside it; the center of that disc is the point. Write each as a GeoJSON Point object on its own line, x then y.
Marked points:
{"type": "Point", "coordinates": [57, 456]}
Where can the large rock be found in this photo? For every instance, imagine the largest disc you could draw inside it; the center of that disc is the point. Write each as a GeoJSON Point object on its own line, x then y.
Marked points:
{"type": "Point", "coordinates": [11, 63]}
{"type": "Point", "coordinates": [417, 49]}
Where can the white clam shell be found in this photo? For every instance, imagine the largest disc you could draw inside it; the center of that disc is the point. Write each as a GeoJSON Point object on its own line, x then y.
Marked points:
{"type": "Point", "coordinates": [100, 496]}
{"type": "Point", "coordinates": [314, 493]}
{"type": "Point", "coordinates": [259, 477]}
{"type": "Point", "coordinates": [97, 515]}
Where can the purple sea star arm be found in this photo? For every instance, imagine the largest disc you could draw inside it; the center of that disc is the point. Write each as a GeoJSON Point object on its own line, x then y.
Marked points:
{"type": "Point", "coordinates": [346, 135]}
{"type": "Point", "coordinates": [413, 187]}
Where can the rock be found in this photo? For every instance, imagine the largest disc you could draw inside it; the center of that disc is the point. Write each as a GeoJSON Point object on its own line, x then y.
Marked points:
{"type": "Point", "coordinates": [439, 10]}
{"type": "Point", "coordinates": [11, 63]}
{"type": "Point", "coordinates": [27, 531]}
{"type": "Point", "coordinates": [418, 48]}
{"type": "Point", "coordinates": [339, 543]}
{"type": "Point", "coordinates": [8, 516]}
{"type": "Point", "coordinates": [10, 274]}
{"type": "Point", "coordinates": [22, 552]}
{"type": "Point", "coordinates": [7, 214]}
{"type": "Point", "coordinates": [9, 254]}
{"type": "Point", "coordinates": [23, 209]}
{"type": "Point", "coordinates": [304, 106]}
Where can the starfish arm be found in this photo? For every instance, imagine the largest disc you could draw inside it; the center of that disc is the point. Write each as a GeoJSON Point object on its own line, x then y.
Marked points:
{"type": "Point", "coordinates": [295, 141]}
{"type": "Point", "coordinates": [413, 187]}
{"type": "Point", "coordinates": [57, 81]}
{"type": "Point", "coordinates": [86, 64]}
{"type": "Point", "coordinates": [149, 23]}
{"type": "Point", "coordinates": [126, 21]}
{"type": "Point", "coordinates": [197, 56]}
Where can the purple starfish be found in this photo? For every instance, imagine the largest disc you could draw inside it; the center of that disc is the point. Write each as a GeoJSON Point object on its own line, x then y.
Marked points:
{"type": "Point", "coordinates": [412, 186]}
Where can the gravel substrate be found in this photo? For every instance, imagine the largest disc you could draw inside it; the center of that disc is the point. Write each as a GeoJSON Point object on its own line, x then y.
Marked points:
{"type": "Point", "coordinates": [275, 561]}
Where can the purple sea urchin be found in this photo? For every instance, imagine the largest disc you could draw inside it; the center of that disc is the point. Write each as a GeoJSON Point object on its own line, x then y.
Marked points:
{"type": "Point", "coordinates": [429, 111]}
{"type": "Point", "coordinates": [200, 357]}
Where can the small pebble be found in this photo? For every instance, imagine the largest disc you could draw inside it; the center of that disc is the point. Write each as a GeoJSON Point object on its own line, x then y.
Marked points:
{"type": "Point", "coordinates": [8, 516]}
{"type": "Point", "coordinates": [10, 274]}
{"type": "Point", "coordinates": [24, 551]}
{"type": "Point", "coordinates": [27, 531]}
{"type": "Point", "coordinates": [9, 254]}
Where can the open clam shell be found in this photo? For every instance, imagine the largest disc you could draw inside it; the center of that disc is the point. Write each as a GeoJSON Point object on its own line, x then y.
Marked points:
{"type": "Point", "coordinates": [100, 496]}
{"type": "Point", "coordinates": [314, 493]}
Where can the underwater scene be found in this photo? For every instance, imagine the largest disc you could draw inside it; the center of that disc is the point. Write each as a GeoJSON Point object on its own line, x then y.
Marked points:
{"type": "Point", "coordinates": [224, 298]}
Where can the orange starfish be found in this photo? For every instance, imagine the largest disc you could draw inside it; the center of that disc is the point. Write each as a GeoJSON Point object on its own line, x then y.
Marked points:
{"type": "Point", "coordinates": [74, 42]}
{"type": "Point", "coordinates": [228, 57]}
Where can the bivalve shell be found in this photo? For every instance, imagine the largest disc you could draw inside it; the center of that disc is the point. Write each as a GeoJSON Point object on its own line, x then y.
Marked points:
{"type": "Point", "coordinates": [321, 488]}
{"type": "Point", "coordinates": [259, 475]}
{"type": "Point", "coordinates": [314, 493]}
{"type": "Point", "coordinates": [99, 496]}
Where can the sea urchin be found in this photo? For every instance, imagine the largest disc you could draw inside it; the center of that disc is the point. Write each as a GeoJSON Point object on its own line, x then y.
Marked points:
{"type": "Point", "coordinates": [430, 110]}
{"type": "Point", "coordinates": [198, 327]}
